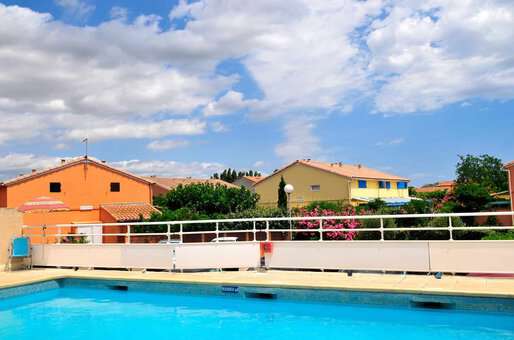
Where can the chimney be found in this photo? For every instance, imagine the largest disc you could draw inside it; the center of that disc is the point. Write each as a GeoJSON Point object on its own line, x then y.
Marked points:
{"type": "Point", "coordinates": [63, 161]}
{"type": "Point", "coordinates": [359, 166]}
{"type": "Point", "coordinates": [104, 162]}
{"type": "Point", "coordinates": [34, 170]}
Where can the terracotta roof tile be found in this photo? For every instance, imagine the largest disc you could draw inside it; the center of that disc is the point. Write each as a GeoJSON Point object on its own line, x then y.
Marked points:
{"type": "Point", "coordinates": [127, 212]}
{"type": "Point", "coordinates": [444, 185]}
{"type": "Point", "coordinates": [171, 183]}
{"type": "Point", "coordinates": [65, 163]}
{"type": "Point", "coordinates": [352, 171]}
{"type": "Point", "coordinates": [254, 179]}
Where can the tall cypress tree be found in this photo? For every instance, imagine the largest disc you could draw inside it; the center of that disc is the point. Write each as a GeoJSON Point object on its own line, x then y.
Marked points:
{"type": "Point", "coordinates": [282, 196]}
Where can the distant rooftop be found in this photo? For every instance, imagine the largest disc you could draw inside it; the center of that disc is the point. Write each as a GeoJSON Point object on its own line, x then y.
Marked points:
{"type": "Point", "coordinates": [253, 179]}
{"type": "Point", "coordinates": [172, 182]}
{"type": "Point", "coordinates": [350, 170]}
{"type": "Point", "coordinates": [128, 212]}
{"type": "Point", "coordinates": [443, 185]}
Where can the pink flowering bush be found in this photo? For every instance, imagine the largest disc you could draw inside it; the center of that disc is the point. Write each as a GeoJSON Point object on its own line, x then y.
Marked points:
{"type": "Point", "coordinates": [329, 224]}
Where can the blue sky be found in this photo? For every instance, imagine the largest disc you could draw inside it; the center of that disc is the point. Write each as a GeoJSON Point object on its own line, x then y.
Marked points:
{"type": "Point", "coordinates": [186, 89]}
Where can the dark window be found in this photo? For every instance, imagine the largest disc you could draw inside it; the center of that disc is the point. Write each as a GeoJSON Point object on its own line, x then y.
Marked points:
{"type": "Point", "coordinates": [402, 185]}
{"type": "Point", "coordinates": [363, 184]}
{"type": "Point", "coordinates": [381, 184]}
{"type": "Point", "coordinates": [115, 187]}
{"type": "Point", "coordinates": [55, 187]}
{"type": "Point", "coordinates": [388, 185]}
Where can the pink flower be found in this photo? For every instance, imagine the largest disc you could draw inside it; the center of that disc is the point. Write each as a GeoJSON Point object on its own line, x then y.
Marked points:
{"type": "Point", "coordinates": [330, 224]}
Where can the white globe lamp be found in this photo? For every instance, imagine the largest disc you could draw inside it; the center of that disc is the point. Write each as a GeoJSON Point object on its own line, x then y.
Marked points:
{"type": "Point", "coordinates": [289, 188]}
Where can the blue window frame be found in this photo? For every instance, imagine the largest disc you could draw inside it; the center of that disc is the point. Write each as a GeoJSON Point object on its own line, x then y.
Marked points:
{"type": "Point", "coordinates": [401, 185]}
{"type": "Point", "coordinates": [381, 184]}
{"type": "Point", "coordinates": [363, 184]}
{"type": "Point", "coordinates": [388, 185]}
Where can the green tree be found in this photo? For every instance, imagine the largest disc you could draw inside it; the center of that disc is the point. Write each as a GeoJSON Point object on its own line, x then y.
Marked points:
{"type": "Point", "coordinates": [211, 200]}
{"type": "Point", "coordinates": [282, 196]}
{"type": "Point", "coordinates": [471, 197]}
{"type": "Point", "coordinates": [230, 175]}
{"type": "Point", "coordinates": [376, 204]}
{"type": "Point", "coordinates": [485, 170]}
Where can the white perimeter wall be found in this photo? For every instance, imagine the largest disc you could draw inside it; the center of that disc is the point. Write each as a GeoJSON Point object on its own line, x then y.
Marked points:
{"type": "Point", "coordinates": [422, 256]}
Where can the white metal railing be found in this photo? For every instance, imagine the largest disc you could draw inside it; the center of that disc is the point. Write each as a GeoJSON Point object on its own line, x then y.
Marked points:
{"type": "Point", "coordinates": [261, 226]}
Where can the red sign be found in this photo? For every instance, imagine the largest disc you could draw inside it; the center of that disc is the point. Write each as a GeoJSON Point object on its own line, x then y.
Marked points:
{"type": "Point", "coordinates": [266, 248]}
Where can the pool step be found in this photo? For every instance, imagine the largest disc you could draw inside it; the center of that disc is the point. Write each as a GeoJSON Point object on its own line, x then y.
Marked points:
{"type": "Point", "coordinates": [261, 295]}
{"type": "Point", "coordinates": [432, 304]}
{"type": "Point", "coordinates": [118, 287]}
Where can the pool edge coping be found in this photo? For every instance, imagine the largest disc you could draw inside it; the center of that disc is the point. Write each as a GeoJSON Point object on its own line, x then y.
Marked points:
{"type": "Point", "coordinates": [249, 283]}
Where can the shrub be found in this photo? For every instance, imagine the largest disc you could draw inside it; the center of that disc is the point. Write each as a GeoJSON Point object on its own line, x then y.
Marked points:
{"type": "Point", "coordinates": [258, 212]}
{"type": "Point", "coordinates": [499, 235]}
{"type": "Point", "coordinates": [374, 223]}
{"type": "Point", "coordinates": [182, 214]}
{"type": "Point", "coordinates": [328, 224]}
{"type": "Point", "coordinates": [209, 199]}
{"type": "Point", "coordinates": [376, 204]}
{"type": "Point", "coordinates": [325, 205]}
{"type": "Point", "coordinates": [471, 197]}
{"type": "Point", "coordinates": [434, 195]}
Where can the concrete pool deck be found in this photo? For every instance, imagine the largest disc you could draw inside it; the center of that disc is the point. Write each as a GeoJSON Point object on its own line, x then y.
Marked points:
{"type": "Point", "coordinates": [395, 283]}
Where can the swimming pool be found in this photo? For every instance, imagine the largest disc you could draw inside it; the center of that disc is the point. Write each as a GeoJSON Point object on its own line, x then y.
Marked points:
{"type": "Point", "coordinates": [95, 309]}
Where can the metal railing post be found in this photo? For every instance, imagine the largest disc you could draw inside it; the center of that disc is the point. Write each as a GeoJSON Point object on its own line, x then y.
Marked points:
{"type": "Point", "coordinates": [450, 227]}
{"type": "Point", "coordinates": [254, 231]}
{"type": "Point", "coordinates": [267, 231]}
{"type": "Point", "coordinates": [217, 231]}
{"type": "Point", "coordinates": [59, 231]}
{"type": "Point", "coordinates": [381, 229]}
{"type": "Point", "coordinates": [320, 230]}
{"type": "Point", "coordinates": [181, 230]}
{"type": "Point", "coordinates": [127, 241]}
{"type": "Point", "coordinates": [168, 232]}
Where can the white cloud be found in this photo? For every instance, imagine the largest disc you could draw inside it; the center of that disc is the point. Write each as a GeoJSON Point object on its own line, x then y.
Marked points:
{"type": "Point", "coordinates": [14, 164]}
{"type": "Point", "coordinates": [219, 127]}
{"type": "Point", "coordinates": [300, 142]}
{"type": "Point", "coordinates": [118, 71]}
{"type": "Point", "coordinates": [434, 53]}
{"type": "Point", "coordinates": [161, 145]}
{"type": "Point", "coordinates": [20, 126]}
{"type": "Point", "coordinates": [309, 58]}
{"type": "Point", "coordinates": [118, 12]}
{"type": "Point", "coordinates": [259, 164]}
{"type": "Point", "coordinates": [137, 129]}
{"type": "Point", "coordinates": [170, 168]}
{"type": "Point", "coordinates": [394, 141]}
{"type": "Point", "coordinates": [300, 53]}
{"type": "Point", "coordinates": [61, 146]}
{"type": "Point", "coordinates": [231, 102]}
{"type": "Point", "coordinates": [76, 9]}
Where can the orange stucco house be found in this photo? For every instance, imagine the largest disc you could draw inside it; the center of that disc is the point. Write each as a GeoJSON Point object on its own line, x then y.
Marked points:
{"type": "Point", "coordinates": [79, 191]}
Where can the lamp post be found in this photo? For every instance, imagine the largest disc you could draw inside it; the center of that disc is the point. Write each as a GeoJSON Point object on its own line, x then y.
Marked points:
{"type": "Point", "coordinates": [289, 190]}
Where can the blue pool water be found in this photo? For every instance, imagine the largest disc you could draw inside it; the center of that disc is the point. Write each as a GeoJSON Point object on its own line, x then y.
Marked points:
{"type": "Point", "coordinates": [87, 313]}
